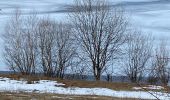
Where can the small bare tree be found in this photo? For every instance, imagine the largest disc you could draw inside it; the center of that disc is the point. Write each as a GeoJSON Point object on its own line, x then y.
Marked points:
{"type": "Point", "coordinates": [139, 49]}
{"type": "Point", "coordinates": [81, 69]}
{"type": "Point", "coordinates": [161, 63]}
{"type": "Point", "coordinates": [99, 32]}
{"type": "Point", "coordinates": [153, 76]}
{"type": "Point", "coordinates": [109, 74]}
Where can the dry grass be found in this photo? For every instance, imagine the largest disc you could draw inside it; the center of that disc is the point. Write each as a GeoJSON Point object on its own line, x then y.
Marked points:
{"type": "Point", "coordinates": [92, 84]}
{"type": "Point", "coordinates": [81, 83]}
{"type": "Point", "coordinates": [35, 96]}
{"type": "Point", "coordinates": [74, 83]}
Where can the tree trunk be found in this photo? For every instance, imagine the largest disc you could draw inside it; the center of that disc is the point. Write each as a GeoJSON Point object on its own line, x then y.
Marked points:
{"type": "Point", "coordinates": [97, 73]}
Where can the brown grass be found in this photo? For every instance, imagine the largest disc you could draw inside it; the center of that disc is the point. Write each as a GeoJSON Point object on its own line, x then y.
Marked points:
{"type": "Point", "coordinates": [93, 84]}
{"type": "Point", "coordinates": [35, 96]}
{"type": "Point", "coordinates": [80, 83]}
{"type": "Point", "coordinates": [74, 83]}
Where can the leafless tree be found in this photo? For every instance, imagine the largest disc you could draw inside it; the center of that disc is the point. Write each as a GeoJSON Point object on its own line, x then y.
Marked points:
{"type": "Point", "coordinates": [81, 69]}
{"type": "Point", "coordinates": [138, 49]}
{"type": "Point", "coordinates": [153, 76]}
{"type": "Point", "coordinates": [55, 47]}
{"type": "Point", "coordinates": [109, 74]}
{"type": "Point", "coordinates": [33, 43]}
{"type": "Point", "coordinates": [161, 63]}
{"type": "Point", "coordinates": [29, 42]}
{"type": "Point", "coordinates": [20, 43]}
{"type": "Point", "coordinates": [65, 48]}
{"type": "Point", "coordinates": [12, 43]}
{"type": "Point", "coordinates": [99, 32]}
{"type": "Point", "coordinates": [46, 40]}
{"type": "Point", "coordinates": [159, 71]}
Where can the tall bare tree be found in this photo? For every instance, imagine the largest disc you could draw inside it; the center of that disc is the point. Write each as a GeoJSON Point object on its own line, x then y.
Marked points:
{"type": "Point", "coordinates": [55, 47]}
{"type": "Point", "coordinates": [138, 49]}
{"type": "Point", "coordinates": [46, 41]}
{"type": "Point", "coordinates": [20, 43]}
{"type": "Point", "coordinates": [12, 42]}
{"type": "Point", "coordinates": [65, 48]}
{"type": "Point", "coordinates": [99, 32]}
{"type": "Point", "coordinates": [29, 40]}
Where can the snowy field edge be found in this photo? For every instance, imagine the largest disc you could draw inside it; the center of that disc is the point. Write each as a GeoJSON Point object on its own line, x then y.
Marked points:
{"type": "Point", "coordinates": [53, 87]}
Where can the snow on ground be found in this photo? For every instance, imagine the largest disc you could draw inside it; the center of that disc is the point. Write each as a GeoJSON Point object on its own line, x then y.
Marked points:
{"type": "Point", "coordinates": [47, 86]}
{"type": "Point", "coordinates": [150, 87]}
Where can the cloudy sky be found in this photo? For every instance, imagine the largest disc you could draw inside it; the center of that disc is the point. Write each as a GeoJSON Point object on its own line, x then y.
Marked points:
{"type": "Point", "coordinates": [149, 16]}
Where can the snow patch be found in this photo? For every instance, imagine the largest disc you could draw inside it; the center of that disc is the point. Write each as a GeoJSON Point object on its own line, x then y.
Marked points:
{"type": "Point", "coordinates": [48, 86]}
{"type": "Point", "coordinates": [150, 87]}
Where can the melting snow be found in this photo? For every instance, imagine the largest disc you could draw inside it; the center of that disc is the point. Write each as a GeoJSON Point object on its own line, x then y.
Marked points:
{"type": "Point", "coordinates": [47, 86]}
{"type": "Point", "coordinates": [150, 87]}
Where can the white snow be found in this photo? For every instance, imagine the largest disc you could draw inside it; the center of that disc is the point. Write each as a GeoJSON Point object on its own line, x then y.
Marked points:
{"type": "Point", "coordinates": [150, 87]}
{"type": "Point", "coordinates": [48, 86]}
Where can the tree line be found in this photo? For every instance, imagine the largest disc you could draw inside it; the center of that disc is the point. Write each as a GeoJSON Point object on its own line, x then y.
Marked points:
{"type": "Point", "coordinates": [95, 37]}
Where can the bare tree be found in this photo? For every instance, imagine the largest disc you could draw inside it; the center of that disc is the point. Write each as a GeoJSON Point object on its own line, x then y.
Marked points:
{"type": "Point", "coordinates": [12, 42]}
{"type": "Point", "coordinates": [65, 48]}
{"type": "Point", "coordinates": [81, 69]}
{"type": "Point", "coordinates": [20, 43]}
{"type": "Point", "coordinates": [139, 49]}
{"type": "Point", "coordinates": [109, 74]}
{"type": "Point", "coordinates": [55, 47]}
{"type": "Point", "coordinates": [46, 41]}
{"type": "Point", "coordinates": [33, 43]}
{"type": "Point", "coordinates": [161, 63]}
{"type": "Point", "coordinates": [29, 41]}
{"type": "Point", "coordinates": [99, 32]}
{"type": "Point", "coordinates": [153, 76]}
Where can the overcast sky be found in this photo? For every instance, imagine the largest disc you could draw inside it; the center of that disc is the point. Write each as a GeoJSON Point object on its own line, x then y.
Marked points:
{"type": "Point", "coordinates": [150, 16]}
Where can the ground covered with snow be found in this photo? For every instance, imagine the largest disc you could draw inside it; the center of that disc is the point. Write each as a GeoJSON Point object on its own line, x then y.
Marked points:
{"type": "Point", "coordinates": [47, 86]}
